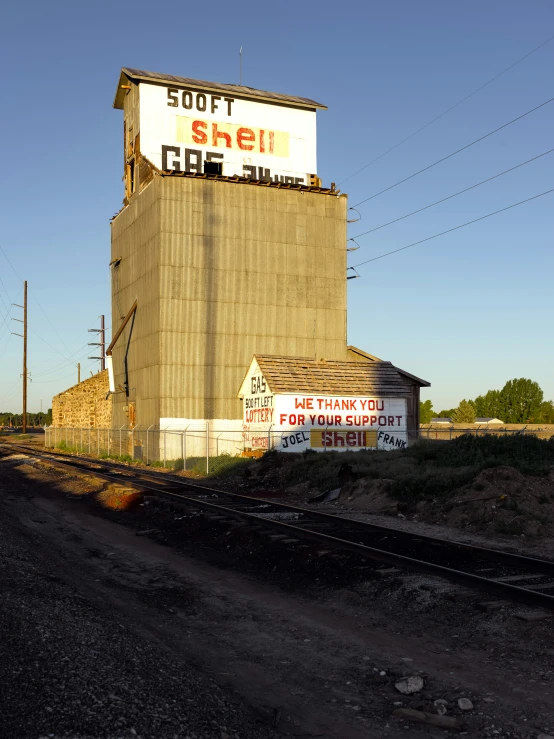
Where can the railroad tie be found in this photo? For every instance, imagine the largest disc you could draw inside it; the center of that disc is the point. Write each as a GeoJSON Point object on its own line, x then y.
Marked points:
{"type": "Point", "coordinates": [541, 586]}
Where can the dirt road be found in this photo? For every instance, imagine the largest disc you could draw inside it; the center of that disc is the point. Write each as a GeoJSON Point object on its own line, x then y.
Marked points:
{"type": "Point", "coordinates": [110, 634]}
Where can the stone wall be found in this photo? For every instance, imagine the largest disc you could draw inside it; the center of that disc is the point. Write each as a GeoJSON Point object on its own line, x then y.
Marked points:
{"type": "Point", "coordinates": [84, 405]}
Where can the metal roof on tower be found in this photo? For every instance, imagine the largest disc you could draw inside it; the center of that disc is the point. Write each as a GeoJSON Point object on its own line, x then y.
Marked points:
{"type": "Point", "coordinates": [138, 75]}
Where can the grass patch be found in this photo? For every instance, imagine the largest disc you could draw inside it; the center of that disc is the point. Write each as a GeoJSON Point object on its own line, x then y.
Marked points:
{"type": "Point", "coordinates": [526, 453]}
{"type": "Point", "coordinates": [427, 469]}
{"type": "Point", "coordinates": [430, 484]}
{"type": "Point", "coordinates": [510, 528]}
{"type": "Point", "coordinates": [18, 437]}
{"type": "Point", "coordinates": [221, 466]}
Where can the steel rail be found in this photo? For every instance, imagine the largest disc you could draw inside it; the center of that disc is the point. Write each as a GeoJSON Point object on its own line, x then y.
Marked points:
{"type": "Point", "coordinates": [508, 558]}
{"type": "Point", "coordinates": [503, 589]}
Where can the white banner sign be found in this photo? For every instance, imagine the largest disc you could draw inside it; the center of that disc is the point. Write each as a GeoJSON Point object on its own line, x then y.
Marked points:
{"type": "Point", "coordinates": [181, 129]}
{"type": "Point", "coordinates": [296, 422]}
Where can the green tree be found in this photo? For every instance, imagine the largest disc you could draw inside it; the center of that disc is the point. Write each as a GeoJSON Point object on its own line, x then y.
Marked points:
{"type": "Point", "coordinates": [490, 405]}
{"type": "Point", "coordinates": [522, 401]}
{"type": "Point", "coordinates": [546, 412]}
{"type": "Point", "coordinates": [464, 413]}
{"type": "Point", "coordinates": [445, 413]}
{"type": "Point", "coordinates": [425, 411]}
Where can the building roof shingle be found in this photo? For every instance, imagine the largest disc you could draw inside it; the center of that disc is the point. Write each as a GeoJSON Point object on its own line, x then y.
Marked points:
{"type": "Point", "coordinates": [328, 377]}
{"type": "Point", "coordinates": [127, 73]}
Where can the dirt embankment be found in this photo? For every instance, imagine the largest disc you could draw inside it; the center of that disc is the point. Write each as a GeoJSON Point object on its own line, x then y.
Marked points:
{"type": "Point", "coordinates": [499, 501]}
{"type": "Point", "coordinates": [496, 487]}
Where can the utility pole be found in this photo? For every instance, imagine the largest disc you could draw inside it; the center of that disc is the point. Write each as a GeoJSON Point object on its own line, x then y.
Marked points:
{"type": "Point", "coordinates": [78, 372]}
{"type": "Point", "coordinates": [102, 343]}
{"type": "Point", "coordinates": [24, 429]}
{"type": "Point", "coordinates": [24, 336]}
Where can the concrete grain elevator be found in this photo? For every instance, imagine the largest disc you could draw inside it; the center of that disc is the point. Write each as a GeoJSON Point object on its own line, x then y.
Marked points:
{"type": "Point", "coordinates": [227, 243]}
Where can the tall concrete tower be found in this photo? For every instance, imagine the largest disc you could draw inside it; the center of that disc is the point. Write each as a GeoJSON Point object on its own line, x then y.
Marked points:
{"type": "Point", "coordinates": [227, 242]}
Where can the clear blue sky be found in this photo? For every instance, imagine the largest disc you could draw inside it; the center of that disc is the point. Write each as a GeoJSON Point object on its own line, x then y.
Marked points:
{"type": "Point", "coordinates": [466, 311]}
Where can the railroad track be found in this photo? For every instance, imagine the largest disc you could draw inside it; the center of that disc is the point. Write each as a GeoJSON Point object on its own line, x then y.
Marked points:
{"type": "Point", "coordinates": [512, 577]}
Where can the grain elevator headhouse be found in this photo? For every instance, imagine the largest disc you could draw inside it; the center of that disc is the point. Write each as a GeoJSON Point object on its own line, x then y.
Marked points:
{"type": "Point", "coordinates": [227, 246]}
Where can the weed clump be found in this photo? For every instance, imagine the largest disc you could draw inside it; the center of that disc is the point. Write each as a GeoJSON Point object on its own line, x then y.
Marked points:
{"type": "Point", "coordinates": [526, 453]}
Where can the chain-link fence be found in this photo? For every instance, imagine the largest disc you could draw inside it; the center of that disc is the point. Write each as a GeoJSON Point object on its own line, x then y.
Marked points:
{"type": "Point", "coordinates": [449, 432]}
{"type": "Point", "coordinates": [205, 448]}
{"type": "Point", "coordinates": [201, 446]}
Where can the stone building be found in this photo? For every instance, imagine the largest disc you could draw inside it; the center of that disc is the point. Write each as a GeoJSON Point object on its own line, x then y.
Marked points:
{"type": "Point", "coordinates": [85, 405]}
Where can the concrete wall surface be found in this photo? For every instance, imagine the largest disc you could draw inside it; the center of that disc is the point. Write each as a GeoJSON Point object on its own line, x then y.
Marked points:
{"type": "Point", "coordinates": [222, 271]}
{"type": "Point", "coordinates": [84, 405]}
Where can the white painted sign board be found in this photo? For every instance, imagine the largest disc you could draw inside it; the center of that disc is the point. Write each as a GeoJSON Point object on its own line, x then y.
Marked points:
{"type": "Point", "coordinates": [181, 129]}
{"type": "Point", "coordinates": [293, 422]}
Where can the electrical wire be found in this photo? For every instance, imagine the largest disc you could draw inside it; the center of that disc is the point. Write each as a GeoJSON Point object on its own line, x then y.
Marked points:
{"type": "Point", "coordinates": [449, 156]}
{"type": "Point", "coordinates": [11, 265]}
{"type": "Point", "coordinates": [471, 94]}
{"type": "Point", "coordinates": [62, 365]}
{"type": "Point", "coordinates": [437, 202]}
{"type": "Point", "coordinates": [51, 324]}
{"type": "Point", "coordinates": [462, 225]}
{"type": "Point", "coordinates": [3, 398]}
{"type": "Point", "coordinates": [66, 359]}
{"type": "Point", "coordinates": [72, 374]}
{"type": "Point", "coordinates": [5, 349]}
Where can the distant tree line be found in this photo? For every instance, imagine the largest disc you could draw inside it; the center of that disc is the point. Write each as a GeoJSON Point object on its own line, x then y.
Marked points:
{"type": "Point", "coordinates": [520, 401]}
{"type": "Point", "coordinates": [33, 419]}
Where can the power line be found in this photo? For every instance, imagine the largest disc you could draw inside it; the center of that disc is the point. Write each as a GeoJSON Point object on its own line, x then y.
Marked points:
{"type": "Point", "coordinates": [5, 349]}
{"type": "Point", "coordinates": [3, 398]}
{"type": "Point", "coordinates": [448, 110]}
{"type": "Point", "coordinates": [63, 365]}
{"type": "Point", "coordinates": [66, 359]}
{"type": "Point", "coordinates": [39, 305]}
{"type": "Point", "coordinates": [72, 374]}
{"type": "Point", "coordinates": [11, 265]}
{"type": "Point", "coordinates": [52, 325]}
{"type": "Point", "coordinates": [437, 202]}
{"type": "Point", "coordinates": [462, 225]}
{"type": "Point", "coordinates": [7, 328]}
{"type": "Point", "coordinates": [467, 146]}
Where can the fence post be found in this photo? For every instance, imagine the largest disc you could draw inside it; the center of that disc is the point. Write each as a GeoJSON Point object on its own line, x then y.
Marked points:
{"type": "Point", "coordinates": [147, 430]}
{"type": "Point", "coordinates": [184, 444]}
{"type": "Point", "coordinates": [207, 447]}
{"type": "Point", "coordinates": [89, 430]}
{"type": "Point", "coordinates": [81, 443]}
{"type": "Point", "coordinates": [109, 441]}
{"type": "Point", "coordinates": [269, 437]}
{"type": "Point", "coordinates": [98, 439]}
{"type": "Point", "coordinates": [164, 433]}
{"type": "Point", "coordinates": [73, 437]}
{"type": "Point", "coordinates": [133, 442]}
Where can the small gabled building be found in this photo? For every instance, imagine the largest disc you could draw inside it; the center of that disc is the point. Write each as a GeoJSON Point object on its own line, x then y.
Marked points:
{"type": "Point", "coordinates": [297, 403]}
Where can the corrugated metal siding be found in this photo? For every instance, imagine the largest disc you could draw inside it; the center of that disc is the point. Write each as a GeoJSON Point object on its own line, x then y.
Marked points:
{"type": "Point", "coordinates": [223, 271]}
